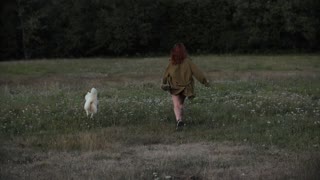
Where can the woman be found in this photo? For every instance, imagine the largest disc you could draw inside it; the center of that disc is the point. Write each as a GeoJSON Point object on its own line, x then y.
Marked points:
{"type": "Point", "coordinates": [178, 80]}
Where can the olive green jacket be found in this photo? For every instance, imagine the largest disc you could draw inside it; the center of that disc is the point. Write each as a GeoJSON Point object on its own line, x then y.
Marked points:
{"type": "Point", "coordinates": [180, 78]}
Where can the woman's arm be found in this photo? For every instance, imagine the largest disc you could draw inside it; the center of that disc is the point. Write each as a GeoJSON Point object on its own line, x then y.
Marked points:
{"type": "Point", "coordinates": [165, 75]}
{"type": "Point", "coordinates": [165, 86]}
{"type": "Point", "coordinates": [198, 74]}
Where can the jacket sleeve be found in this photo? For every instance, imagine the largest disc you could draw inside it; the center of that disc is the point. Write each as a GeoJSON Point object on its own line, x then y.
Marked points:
{"type": "Point", "coordinates": [165, 75]}
{"type": "Point", "coordinates": [197, 73]}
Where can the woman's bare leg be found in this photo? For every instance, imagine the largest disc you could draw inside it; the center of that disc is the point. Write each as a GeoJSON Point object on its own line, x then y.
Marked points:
{"type": "Point", "coordinates": [178, 101]}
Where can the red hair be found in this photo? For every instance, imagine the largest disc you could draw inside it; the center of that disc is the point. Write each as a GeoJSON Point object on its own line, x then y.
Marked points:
{"type": "Point", "coordinates": [178, 53]}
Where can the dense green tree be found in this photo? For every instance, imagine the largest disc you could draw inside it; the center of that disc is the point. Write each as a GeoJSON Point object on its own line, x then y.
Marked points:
{"type": "Point", "coordinates": [10, 45]}
{"type": "Point", "coordinates": [78, 28]}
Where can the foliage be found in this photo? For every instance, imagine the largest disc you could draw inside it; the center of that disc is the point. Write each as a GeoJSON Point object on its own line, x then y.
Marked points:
{"type": "Point", "coordinates": [56, 28]}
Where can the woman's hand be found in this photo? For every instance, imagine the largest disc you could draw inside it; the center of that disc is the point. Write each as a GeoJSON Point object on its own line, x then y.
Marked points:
{"type": "Point", "coordinates": [206, 83]}
{"type": "Point", "coordinates": [165, 87]}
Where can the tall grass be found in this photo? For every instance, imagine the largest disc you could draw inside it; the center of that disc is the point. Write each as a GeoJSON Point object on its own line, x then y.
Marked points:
{"type": "Point", "coordinates": [265, 100]}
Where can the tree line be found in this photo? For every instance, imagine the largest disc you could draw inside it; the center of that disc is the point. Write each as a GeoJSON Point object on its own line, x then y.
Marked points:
{"type": "Point", "coordinates": [84, 28]}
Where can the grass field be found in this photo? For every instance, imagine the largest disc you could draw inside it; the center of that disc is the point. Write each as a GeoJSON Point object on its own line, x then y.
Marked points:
{"type": "Point", "coordinates": [259, 119]}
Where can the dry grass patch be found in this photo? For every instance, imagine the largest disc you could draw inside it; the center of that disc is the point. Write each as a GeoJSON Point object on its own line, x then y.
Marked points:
{"type": "Point", "coordinates": [175, 161]}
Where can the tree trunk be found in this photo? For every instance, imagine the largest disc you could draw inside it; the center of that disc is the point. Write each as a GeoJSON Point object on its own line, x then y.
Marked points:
{"type": "Point", "coordinates": [22, 30]}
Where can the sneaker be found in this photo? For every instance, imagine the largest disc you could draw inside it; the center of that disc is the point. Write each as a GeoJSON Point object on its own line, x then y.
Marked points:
{"type": "Point", "coordinates": [180, 125]}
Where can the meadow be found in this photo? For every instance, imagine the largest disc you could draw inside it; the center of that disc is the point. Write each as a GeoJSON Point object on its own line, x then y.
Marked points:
{"type": "Point", "coordinates": [260, 118]}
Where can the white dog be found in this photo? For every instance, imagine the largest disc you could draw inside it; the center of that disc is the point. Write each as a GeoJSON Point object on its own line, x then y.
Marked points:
{"type": "Point", "coordinates": [91, 104]}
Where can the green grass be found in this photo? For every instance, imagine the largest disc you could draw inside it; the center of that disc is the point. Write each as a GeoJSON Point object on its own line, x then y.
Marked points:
{"type": "Point", "coordinates": [258, 109]}
{"type": "Point", "coordinates": [269, 107]}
